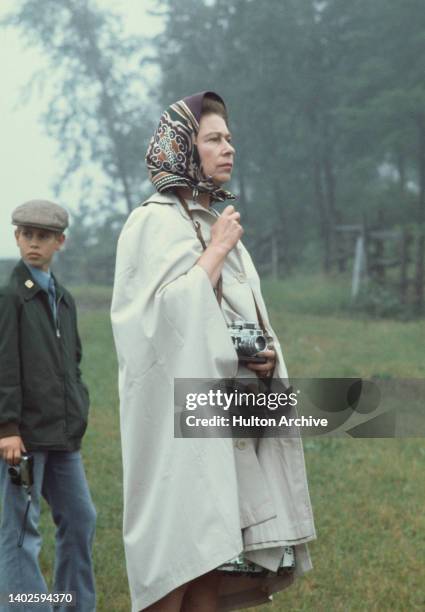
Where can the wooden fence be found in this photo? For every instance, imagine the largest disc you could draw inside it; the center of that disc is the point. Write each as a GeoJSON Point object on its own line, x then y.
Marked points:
{"type": "Point", "coordinates": [391, 258]}
{"type": "Point", "coordinates": [376, 251]}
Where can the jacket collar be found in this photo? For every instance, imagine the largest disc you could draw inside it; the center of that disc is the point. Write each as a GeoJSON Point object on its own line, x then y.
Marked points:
{"type": "Point", "coordinates": [28, 287]}
{"type": "Point", "coordinates": [171, 198]}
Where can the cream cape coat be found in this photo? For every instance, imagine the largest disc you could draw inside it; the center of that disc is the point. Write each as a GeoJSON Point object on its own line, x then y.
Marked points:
{"type": "Point", "coordinates": [183, 511]}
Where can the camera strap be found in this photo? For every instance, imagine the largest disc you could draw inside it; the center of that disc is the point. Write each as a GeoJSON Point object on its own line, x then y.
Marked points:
{"type": "Point", "coordinates": [197, 227]}
{"type": "Point", "coordinates": [219, 289]}
{"type": "Point", "coordinates": [24, 522]}
{"type": "Point", "coordinates": [259, 317]}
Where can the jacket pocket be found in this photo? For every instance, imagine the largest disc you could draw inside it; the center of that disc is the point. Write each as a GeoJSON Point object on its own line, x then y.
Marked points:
{"type": "Point", "coordinates": [77, 408]}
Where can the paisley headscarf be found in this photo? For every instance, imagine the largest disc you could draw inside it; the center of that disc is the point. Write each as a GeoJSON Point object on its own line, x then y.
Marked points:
{"type": "Point", "coordinates": [172, 157]}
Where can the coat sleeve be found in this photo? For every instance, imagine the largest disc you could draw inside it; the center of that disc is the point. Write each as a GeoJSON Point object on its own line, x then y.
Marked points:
{"type": "Point", "coordinates": [10, 374]}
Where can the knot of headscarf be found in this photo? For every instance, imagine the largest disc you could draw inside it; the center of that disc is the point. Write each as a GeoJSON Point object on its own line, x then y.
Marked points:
{"type": "Point", "coordinates": [172, 157]}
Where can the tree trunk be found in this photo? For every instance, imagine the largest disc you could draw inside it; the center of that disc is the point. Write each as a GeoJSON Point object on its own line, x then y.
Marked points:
{"type": "Point", "coordinates": [107, 112]}
{"type": "Point", "coordinates": [323, 213]}
{"type": "Point", "coordinates": [420, 274]}
{"type": "Point", "coordinates": [329, 171]}
{"type": "Point", "coordinates": [405, 241]}
{"type": "Point", "coordinates": [421, 168]}
{"type": "Point", "coordinates": [282, 230]}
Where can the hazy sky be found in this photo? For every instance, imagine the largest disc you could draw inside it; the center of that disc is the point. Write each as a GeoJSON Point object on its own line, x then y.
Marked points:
{"type": "Point", "coordinates": [28, 157]}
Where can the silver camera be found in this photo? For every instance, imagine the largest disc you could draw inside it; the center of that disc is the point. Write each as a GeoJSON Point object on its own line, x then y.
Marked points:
{"type": "Point", "coordinates": [248, 340]}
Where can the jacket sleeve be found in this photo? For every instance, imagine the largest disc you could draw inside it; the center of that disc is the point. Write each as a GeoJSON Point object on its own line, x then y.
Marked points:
{"type": "Point", "coordinates": [79, 355]}
{"type": "Point", "coordinates": [10, 372]}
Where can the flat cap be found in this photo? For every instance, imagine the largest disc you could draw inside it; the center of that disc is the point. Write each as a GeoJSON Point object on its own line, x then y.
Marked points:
{"type": "Point", "coordinates": [42, 214]}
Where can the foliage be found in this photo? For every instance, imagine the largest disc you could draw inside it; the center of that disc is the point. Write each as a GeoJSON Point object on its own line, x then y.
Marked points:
{"type": "Point", "coordinates": [89, 252]}
{"type": "Point", "coordinates": [379, 302]}
{"type": "Point", "coordinates": [326, 101]}
{"type": "Point", "coordinates": [97, 109]}
{"type": "Point", "coordinates": [383, 302]}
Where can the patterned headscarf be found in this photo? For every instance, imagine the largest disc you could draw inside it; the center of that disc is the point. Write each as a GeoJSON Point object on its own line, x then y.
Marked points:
{"type": "Point", "coordinates": [172, 157]}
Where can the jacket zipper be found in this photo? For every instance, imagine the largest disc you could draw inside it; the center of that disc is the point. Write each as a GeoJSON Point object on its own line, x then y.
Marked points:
{"type": "Point", "coordinates": [58, 331]}
{"type": "Point", "coordinates": [58, 336]}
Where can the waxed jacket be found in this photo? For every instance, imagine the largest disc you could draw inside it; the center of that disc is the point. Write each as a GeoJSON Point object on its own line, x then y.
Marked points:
{"type": "Point", "coordinates": [42, 396]}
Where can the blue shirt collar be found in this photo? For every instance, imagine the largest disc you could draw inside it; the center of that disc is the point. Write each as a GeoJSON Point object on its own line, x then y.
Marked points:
{"type": "Point", "coordinates": [41, 277]}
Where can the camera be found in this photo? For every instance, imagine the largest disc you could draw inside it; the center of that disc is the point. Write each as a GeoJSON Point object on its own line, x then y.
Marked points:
{"type": "Point", "coordinates": [248, 340]}
{"type": "Point", "coordinates": [22, 474]}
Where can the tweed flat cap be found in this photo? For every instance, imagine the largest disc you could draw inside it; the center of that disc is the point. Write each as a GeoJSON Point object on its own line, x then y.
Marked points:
{"type": "Point", "coordinates": [42, 214]}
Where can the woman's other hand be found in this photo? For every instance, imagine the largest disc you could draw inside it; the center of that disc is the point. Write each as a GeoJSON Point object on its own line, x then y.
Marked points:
{"type": "Point", "coordinates": [264, 370]}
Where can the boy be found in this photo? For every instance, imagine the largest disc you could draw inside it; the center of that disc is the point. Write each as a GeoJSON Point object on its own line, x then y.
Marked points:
{"type": "Point", "coordinates": [43, 412]}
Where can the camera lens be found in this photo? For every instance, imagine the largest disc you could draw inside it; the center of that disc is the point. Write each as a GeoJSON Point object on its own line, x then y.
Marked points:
{"type": "Point", "coordinates": [252, 345]}
{"type": "Point", "coordinates": [260, 343]}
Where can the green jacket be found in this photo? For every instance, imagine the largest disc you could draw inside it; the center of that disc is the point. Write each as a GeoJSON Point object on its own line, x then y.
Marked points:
{"type": "Point", "coordinates": [42, 396]}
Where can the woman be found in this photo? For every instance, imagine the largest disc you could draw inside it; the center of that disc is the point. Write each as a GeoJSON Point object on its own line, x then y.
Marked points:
{"type": "Point", "coordinates": [206, 522]}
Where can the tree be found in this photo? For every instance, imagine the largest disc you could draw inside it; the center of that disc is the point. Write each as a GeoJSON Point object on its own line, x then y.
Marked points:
{"type": "Point", "coordinates": [326, 100]}
{"type": "Point", "coordinates": [97, 113]}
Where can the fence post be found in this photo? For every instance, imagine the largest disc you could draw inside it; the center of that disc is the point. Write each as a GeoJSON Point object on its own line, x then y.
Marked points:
{"type": "Point", "coordinates": [366, 245]}
{"type": "Point", "coordinates": [419, 278]}
{"type": "Point", "coordinates": [359, 266]}
{"type": "Point", "coordinates": [274, 256]}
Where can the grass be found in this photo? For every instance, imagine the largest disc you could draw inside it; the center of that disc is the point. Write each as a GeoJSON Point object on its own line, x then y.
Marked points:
{"type": "Point", "coordinates": [319, 338]}
{"type": "Point", "coordinates": [368, 495]}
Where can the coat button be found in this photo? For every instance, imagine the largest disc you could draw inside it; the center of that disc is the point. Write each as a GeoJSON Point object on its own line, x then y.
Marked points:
{"type": "Point", "coordinates": [240, 444]}
{"type": "Point", "coordinates": [241, 277]}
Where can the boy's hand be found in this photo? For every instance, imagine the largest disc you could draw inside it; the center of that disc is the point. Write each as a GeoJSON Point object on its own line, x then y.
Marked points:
{"type": "Point", "coordinates": [11, 449]}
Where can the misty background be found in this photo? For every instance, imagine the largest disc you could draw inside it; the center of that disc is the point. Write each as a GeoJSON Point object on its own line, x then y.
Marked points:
{"type": "Point", "coordinates": [327, 108]}
{"type": "Point", "coordinates": [326, 101]}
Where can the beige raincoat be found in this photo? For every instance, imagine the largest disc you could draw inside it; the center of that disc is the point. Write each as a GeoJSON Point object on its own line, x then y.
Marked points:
{"type": "Point", "coordinates": [192, 504]}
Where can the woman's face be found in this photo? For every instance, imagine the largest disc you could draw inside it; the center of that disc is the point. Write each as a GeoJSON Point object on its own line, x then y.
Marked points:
{"type": "Point", "coordinates": [215, 148]}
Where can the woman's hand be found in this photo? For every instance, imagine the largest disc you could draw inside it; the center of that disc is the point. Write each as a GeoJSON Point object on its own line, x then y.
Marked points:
{"type": "Point", "coordinates": [225, 233]}
{"type": "Point", "coordinates": [227, 230]}
{"type": "Point", "coordinates": [264, 370]}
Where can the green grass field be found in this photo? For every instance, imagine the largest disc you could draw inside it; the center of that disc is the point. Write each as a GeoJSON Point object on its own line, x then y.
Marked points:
{"type": "Point", "coordinates": [368, 495]}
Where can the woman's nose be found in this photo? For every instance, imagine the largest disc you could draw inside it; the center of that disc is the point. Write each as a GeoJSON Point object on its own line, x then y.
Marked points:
{"type": "Point", "coordinates": [229, 148]}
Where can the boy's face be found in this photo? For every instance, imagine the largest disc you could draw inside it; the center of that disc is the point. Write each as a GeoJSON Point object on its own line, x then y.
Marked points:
{"type": "Point", "coordinates": [37, 246]}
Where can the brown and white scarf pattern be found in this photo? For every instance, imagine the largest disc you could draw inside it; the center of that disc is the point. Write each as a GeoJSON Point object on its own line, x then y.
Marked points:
{"type": "Point", "coordinates": [172, 157]}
